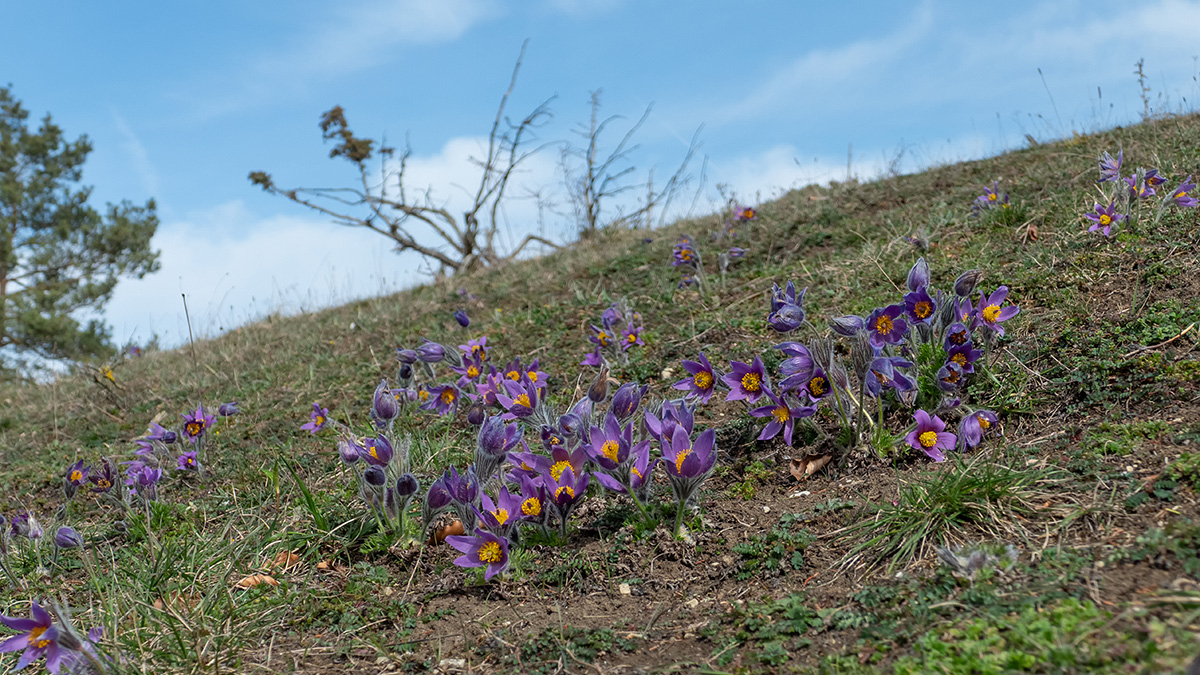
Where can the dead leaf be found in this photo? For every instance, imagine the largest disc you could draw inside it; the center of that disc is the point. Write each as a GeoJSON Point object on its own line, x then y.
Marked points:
{"type": "Point", "coordinates": [285, 560]}
{"type": "Point", "coordinates": [323, 565]}
{"type": "Point", "coordinates": [255, 580]}
{"type": "Point", "coordinates": [803, 467]}
{"type": "Point", "coordinates": [450, 530]}
{"type": "Point", "coordinates": [177, 600]}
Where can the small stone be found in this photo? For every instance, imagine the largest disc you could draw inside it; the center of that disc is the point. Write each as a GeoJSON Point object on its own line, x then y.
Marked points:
{"type": "Point", "coordinates": [452, 665]}
{"type": "Point", "coordinates": [766, 509]}
{"type": "Point", "coordinates": [692, 604]}
{"type": "Point", "coordinates": [625, 589]}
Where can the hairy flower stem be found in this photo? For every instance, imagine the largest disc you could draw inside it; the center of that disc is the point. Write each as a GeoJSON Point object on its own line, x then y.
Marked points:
{"type": "Point", "coordinates": [679, 520]}
{"type": "Point", "coordinates": [637, 502]}
{"type": "Point", "coordinates": [150, 532]}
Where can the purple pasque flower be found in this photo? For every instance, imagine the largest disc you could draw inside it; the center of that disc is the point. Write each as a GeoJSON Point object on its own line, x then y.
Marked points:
{"type": "Point", "coordinates": [626, 400]}
{"type": "Point", "coordinates": [783, 417]}
{"type": "Point", "coordinates": [476, 349]}
{"type": "Point", "coordinates": [68, 538]}
{"type": "Point", "coordinates": [965, 284]}
{"type": "Point", "coordinates": [1140, 189]}
{"type": "Point", "coordinates": [848, 326]}
{"type": "Point", "coordinates": [229, 409]}
{"type": "Point", "coordinates": [349, 450]}
{"type": "Point", "coordinates": [437, 499]}
{"type": "Point", "coordinates": [484, 549]}
{"type": "Point", "coordinates": [145, 481]}
{"type": "Point", "coordinates": [736, 253]}
{"type": "Point", "coordinates": [500, 517]}
{"type": "Point", "coordinates": [104, 478]}
{"type": "Point", "coordinates": [443, 399]}
{"type": "Point", "coordinates": [469, 372]}
{"type": "Point", "coordinates": [565, 492]}
{"type": "Point", "coordinates": [973, 427]}
{"type": "Point", "coordinates": [161, 434]}
{"type": "Point", "coordinates": [700, 380]}
{"type": "Point", "coordinates": [75, 477]}
{"type": "Point", "coordinates": [601, 336]}
{"type": "Point", "coordinates": [1104, 217]}
{"type": "Point", "coordinates": [1180, 197]}
{"type": "Point", "coordinates": [950, 377]}
{"type": "Point", "coordinates": [593, 359]}
{"type": "Point", "coordinates": [609, 445]}
{"type": "Point", "coordinates": [197, 423]}
{"type": "Point", "coordinates": [641, 469]}
{"type": "Point", "coordinates": [376, 451]}
{"type": "Point", "coordinates": [744, 213]}
{"type": "Point", "coordinates": [519, 399]}
{"type": "Point", "coordinates": [533, 500]}
{"type": "Point", "coordinates": [317, 419]}
{"type": "Point", "coordinates": [25, 524]}
{"type": "Point", "coordinates": [430, 352]}
{"type": "Point", "coordinates": [919, 306]}
{"type": "Point", "coordinates": [964, 356]}
{"type": "Point", "coordinates": [1110, 169]}
{"type": "Point", "coordinates": [188, 461]}
{"type": "Point", "coordinates": [991, 197]}
{"type": "Point", "coordinates": [674, 414]}
{"type": "Point", "coordinates": [887, 325]}
{"type": "Point", "coordinates": [535, 374]}
{"type": "Point", "coordinates": [406, 356]}
{"type": "Point", "coordinates": [609, 317]}
{"type": "Point", "coordinates": [787, 308]}
{"type": "Point", "coordinates": [38, 636]}
{"type": "Point", "coordinates": [688, 279]}
{"type": "Point", "coordinates": [746, 381]}
{"type": "Point", "coordinates": [496, 439]}
{"type": "Point", "coordinates": [684, 253]}
{"type": "Point", "coordinates": [688, 465]}
{"type": "Point", "coordinates": [487, 389]}
{"type": "Point", "coordinates": [817, 386]}
{"type": "Point", "coordinates": [957, 335]}
{"type": "Point", "coordinates": [384, 406]}
{"type": "Point", "coordinates": [918, 275]}
{"type": "Point", "coordinates": [460, 315]}
{"type": "Point", "coordinates": [991, 314]}
{"type": "Point", "coordinates": [631, 335]}
{"type": "Point", "coordinates": [930, 436]}
{"type": "Point", "coordinates": [885, 372]}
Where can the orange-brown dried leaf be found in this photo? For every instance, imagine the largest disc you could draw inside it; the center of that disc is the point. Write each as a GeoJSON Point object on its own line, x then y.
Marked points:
{"type": "Point", "coordinates": [255, 580]}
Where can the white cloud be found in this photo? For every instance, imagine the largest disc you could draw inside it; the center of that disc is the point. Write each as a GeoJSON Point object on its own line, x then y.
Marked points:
{"type": "Point", "coordinates": [235, 267]}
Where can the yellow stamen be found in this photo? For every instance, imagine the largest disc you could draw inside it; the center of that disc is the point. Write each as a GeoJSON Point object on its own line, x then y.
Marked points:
{"type": "Point", "coordinates": [1105, 219]}
{"type": "Point", "coordinates": [632, 338]}
{"type": "Point", "coordinates": [751, 382]}
{"type": "Point", "coordinates": [990, 313]}
{"type": "Point", "coordinates": [991, 196]}
{"type": "Point", "coordinates": [703, 380]}
{"type": "Point", "coordinates": [423, 394]}
{"type": "Point", "coordinates": [320, 420]}
{"type": "Point", "coordinates": [194, 428]}
{"type": "Point", "coordinates": [634, 471]}
{"type": "Point", "coordinates": [557, 470]}
{"type": "Point", "coordinates": [781, 414]}
{"type": "Point", "coordinates": [514, 375]}
{"type": "Point", "coordinates": [960, 358]}
{"type": "Point", "coordinates": [531, 506]}
{"type": "Point", "coordinates": [610, 449]}
{"type": "Point", "coordinates": [34, 634]}
{"type": "Point", "coordinates": [884, 325]}
{"type": "Point", "coordinates": [567, 489]}
{"type": "Point", "coordinates": [76, 476]}
{"type": "Point", "coordinates": [602, 338]}
{"type": "Point", "coordinates": [490, 552]}
{"type": "Point", "coordinates": [984, 424]}
{"type": "Point", "coordinates": [928, 439]}
{"type": "Point", "coordinates": [523, 399]}
{"type": "Point", "coordinates": [922, 309]}
{"type": "Point", "coordinates": [448, 396]}
{"type": "Point", "coordinates": [680, 457]}
{"type": "Point", "coordinates": [472, 371]}
{"type": "Point", "coordinates": [816, 386]}
{"type": "Point", "coordinates": [532, 375]}
{"type": "Point", "coordinates": [501, 515]}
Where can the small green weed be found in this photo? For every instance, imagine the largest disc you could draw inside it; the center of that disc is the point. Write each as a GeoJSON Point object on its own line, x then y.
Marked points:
{"type": "Point", "coordinates": [775, 551]}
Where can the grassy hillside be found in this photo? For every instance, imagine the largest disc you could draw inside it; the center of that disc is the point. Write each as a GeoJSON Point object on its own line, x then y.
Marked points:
{"type": "Point", "coordinates": [1083, 513]}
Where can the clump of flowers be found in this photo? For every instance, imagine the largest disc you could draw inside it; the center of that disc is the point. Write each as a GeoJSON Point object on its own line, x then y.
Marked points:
{"type": "Point", "coordinates": [619, 331]}
{"type": "Point", "coordinates": [919, 353]}
{"type": "Point", "coordinates": [994, 206]}
{"type": "Point", "coordinates": [1123, 196]}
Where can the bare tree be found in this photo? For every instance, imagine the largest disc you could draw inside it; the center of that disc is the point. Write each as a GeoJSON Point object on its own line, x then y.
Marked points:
{"type": "Point", "coordinates": [592, 181]}
{"type": "Point", "coordinates": [381, 201]}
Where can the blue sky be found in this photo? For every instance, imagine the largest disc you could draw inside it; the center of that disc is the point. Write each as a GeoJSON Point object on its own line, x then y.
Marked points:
{"type": "Point", "coordinates": [182, 100]}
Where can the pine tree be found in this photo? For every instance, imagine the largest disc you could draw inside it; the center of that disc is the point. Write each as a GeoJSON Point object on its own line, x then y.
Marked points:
{"type": "Point", "coordinates": [60, 258]}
